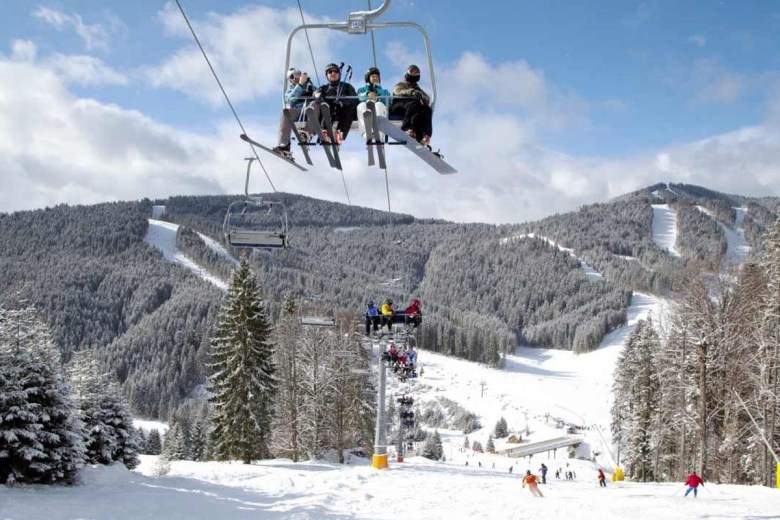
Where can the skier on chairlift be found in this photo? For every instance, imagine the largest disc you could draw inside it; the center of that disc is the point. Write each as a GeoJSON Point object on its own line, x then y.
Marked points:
{"type": "Point", "coordinates": [298, 92]}
{"type": "Point", "coordinates": [372, 91]}
{"type": "Point", "coordinates": [414, 104]}
{"type": "Point", "coordinates": [342, 100]}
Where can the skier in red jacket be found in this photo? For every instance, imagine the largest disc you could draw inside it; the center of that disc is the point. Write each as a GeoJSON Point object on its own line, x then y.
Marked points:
{"type": "Point", "coordinates": [693, 481]}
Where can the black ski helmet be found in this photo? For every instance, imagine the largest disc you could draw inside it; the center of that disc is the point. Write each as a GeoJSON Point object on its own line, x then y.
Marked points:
{"type": "Point", "coordinates": [332, 66]}
{"type": "Point", "coordinates": [372, 70]}
{"type": "Point", "coordinates": [411, 77]}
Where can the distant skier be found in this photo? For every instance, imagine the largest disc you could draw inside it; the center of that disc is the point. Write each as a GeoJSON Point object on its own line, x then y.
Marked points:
{"type": "Point", "coordinates": [693, 482]}
{"type": "Point", "coordinates": [530, 480]}
{"type": "Point", "coordinates": [510, 469]}
{"type": "Point", "coordinates": [602, 479]}
{"type": "Point", "coordinates": [372, 317]}
{"type": "Point", "coordinates": [543, 471]}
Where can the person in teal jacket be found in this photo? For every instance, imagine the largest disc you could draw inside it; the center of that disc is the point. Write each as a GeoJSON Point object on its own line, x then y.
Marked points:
{"type": "Point", "coordinates": [373, 91]}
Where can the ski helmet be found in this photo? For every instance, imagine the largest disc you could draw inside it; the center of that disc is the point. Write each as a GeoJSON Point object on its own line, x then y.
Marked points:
{"type": "Point", "coordinates": [293, 73]}
{"type": "Point", "coordinates": [389, 301]}
{"type": "Point", "coordinates": [370, 303]}
{"type": "Point", "coordinates": [372, 70]}
{"type": "Point", "coordinates": [412, 74]}
{"type": "Point", "coordinates": [332, 66]}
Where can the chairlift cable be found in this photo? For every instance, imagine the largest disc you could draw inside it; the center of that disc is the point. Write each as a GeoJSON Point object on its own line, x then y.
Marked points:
{"type": "Point", "coordinates": [344, 180]}
{"type": "Point", "coordinates": [203, 51]}
{"type": "Point", "coordinates": [387, 188]}
{"type": "Point", "coordinates": [306, 31]}
{"type": "Point", "coordinates": [373, 42]}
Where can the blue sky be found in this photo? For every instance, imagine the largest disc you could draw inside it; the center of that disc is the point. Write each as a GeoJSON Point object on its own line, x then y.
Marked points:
{"type": "Point", "coordinates": [543, 105]}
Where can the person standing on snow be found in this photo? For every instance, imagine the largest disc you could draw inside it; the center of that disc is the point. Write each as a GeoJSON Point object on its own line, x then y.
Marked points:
{"type": "Point", "coordinates": [602, 479]}
{"type": "Point", "coordinates": [693, 482]}
{"type": "Point", "coordinates": [543, 471]}
{"type": "Point", "coordinates": [530, 480]}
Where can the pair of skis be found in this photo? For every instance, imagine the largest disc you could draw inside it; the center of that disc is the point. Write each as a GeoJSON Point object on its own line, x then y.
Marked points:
{"type": "Point", "coordinates": [373, 137]}
{"type": "Point", "coordinates": [314, 128]}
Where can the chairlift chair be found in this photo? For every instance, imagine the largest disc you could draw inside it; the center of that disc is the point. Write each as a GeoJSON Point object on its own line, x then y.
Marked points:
{"type": "Point", "coordinates": [361, 23]}
{"type": "Point", "coordinates": [242, 229]}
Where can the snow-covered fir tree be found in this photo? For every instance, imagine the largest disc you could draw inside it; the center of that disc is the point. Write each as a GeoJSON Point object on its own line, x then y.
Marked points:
{"type": "Point", "coordinates": [289, 400]}
{"type": "Point", "coordinates": [154, 442]}
{"type": "Point", "coordinates": [466, 443]}
{"type": "Point", "coordinates": [40, 433]}
{"type": "Point", "coordinates": [241, 372]}
{"type": "Point", "coordinates": [110, 435]}
{"type": "Point", "coordinates": [501, 429]}
{"type": "Point", "coordinates": [433, 448]}
{"type": "Point", "coordinates": [636, 391]}
{"type": "Point", "coordinates": [199, 441]}
{"type": "Point", "coordinates": [477, 446]}
{"type": "Point", "coordinates": [490, 446]}
{"type": "Point", "coordinates": [175, 445]}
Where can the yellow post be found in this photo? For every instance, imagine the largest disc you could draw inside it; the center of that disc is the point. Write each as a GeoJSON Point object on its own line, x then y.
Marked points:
{"type": "Point", "coordinates": [617, 476]}
{"type": "Point", "coordinates": [379, 461]}
{"type": "Point", "coordinates": [777, 475]}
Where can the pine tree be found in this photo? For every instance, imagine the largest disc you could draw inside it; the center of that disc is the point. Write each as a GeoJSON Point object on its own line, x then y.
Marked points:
{"type": "Point", "coordinates": [490, 446]}
{"type": "Point", "coordinates": [433, 448]}
{"type": "Point", "coordinates": [199, 441]}
{"type": "Point", "coordinates": [154, 442]}
{"type": "Point", "coordinates": [477, 446]}
{"type": "Point", "coordinates": [466, 443]}
{"type": "Point", "coordinates": [110, 435]}
{"type": "Point", "coordinates": [501, 430]}
{"type": "Point", "coordinates": [175, 447]}
{"type": "Point", "coordinates": [241, 369]}
{"type": "Point", "coordinates": [40, 433]}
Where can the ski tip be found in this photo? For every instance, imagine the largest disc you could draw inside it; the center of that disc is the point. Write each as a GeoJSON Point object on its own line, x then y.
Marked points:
{"type": "Point", "coordinates": [244, 137]}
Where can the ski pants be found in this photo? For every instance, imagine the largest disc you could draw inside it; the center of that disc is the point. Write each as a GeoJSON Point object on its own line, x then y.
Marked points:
{"type": "Point", "coordinates": [695, 491]}
{"type": "Point", "coordinates": [381, 110]}
{"type": "Point", "coordinates": [342, 113]}
{"type": "Point", "coordinates": [285, 129]}
{"type": "Point", "coordinates": [419, 118]}
{"type": "Point", "coordinates": [602, 482]}
{"type": "Point", "coordinates": [535, 491]}
{"type": "Point", "coordinates": [371, 320]}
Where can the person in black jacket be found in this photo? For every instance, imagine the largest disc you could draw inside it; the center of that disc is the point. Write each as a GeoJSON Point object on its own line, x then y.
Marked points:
{"type": "Point", "coordinates": [411, 102]}
{"type": "Point", "coordinates": [342, 99]}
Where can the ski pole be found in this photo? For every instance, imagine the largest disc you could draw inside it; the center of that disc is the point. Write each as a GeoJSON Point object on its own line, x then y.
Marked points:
{"type": "Point", "coordinates": [708, 489]}
{"type": "Point", "coordinates": [678, 489]}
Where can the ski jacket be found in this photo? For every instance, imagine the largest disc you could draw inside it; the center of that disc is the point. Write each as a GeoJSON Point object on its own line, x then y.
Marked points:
{"type": "Point", "coordinates": [296, 95]}
{"type": "Point", "coordinates": [693, 480]}
{"type": "Point", "coordinates": [414, 308]}
{"type": "Point", "coordinates": [530, 480]}
{"type": "Point", "coordinates": [336, 92]}
{"type": "Point", "coordinates": [371, 310]}
{"type": "Point", "coordinates": [601, 475]}
{"type": "Point", "coordinates": [387, 309]}
{"type": "Point", "coordinates": [412, 91]}
{"type": "Point", "coordinates": [383, 95]}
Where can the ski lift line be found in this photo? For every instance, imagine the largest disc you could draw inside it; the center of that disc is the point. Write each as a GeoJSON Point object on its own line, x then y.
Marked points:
{"type": "Point", "coordinates": [373, 41]}
{"type": "Point", "coordinates": [232, 109]}
{"type": "Point", "coordinates": [344, 180]}
{"type": "Point", "coordinates": [308, 42]}
{"type": "Point", "coordinates": [387, 188]}
{"type": "Point", "coordinates": [344, 27]}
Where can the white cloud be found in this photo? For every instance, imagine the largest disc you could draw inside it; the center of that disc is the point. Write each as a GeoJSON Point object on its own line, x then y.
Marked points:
{"type": "Point", "coordinates": [86, 70]}
{"type": "Point", "coordinates": [23, 50]}
{"type": "Point", "coordinates": [715, 83]}
{"type": "Point", "coordinates": [95, 36]}
{"type": "Point", "coordinates": [247, 49]}
{"type": "Point", "coordinates": [698, 40]}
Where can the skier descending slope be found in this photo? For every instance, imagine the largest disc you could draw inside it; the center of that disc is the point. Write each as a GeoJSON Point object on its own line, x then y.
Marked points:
{"type": "Point", "coordinates": [530, 479]}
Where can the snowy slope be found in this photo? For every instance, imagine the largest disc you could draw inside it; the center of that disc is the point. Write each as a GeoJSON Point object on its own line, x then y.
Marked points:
{"type": "Point", "coordinates": [590, 273]}
{"type": "Point", "coordinates": [665, 228]}
{"type": "Point", "coordinates": [162, 235]}
{"type": "Point", "coordinates": [737, 248]}
{"type": "Point", "coordinates": [219, 249]}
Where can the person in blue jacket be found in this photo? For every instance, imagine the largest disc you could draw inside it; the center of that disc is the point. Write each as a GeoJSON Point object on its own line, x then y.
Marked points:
{"type": "Point", "coordinates": [299, 91]}
{"type": "Point", "coordinates": [372, 317]}
{"type": "Point", "coordinates": [373, 91]}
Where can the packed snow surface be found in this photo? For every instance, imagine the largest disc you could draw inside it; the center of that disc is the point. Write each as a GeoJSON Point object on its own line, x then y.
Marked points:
{"type": "Point", "coordinates": [162, 235]}
{"type": "Point", "coordinates": [590, 272]}
{"type": "Point", "coordinates": [737, 248]}
{"type": "Point", "coordinates": [665, 228]}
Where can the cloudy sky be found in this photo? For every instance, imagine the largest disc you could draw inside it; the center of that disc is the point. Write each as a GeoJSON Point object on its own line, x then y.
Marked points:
{"type": "Point", "coordinates": [542, 105]}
